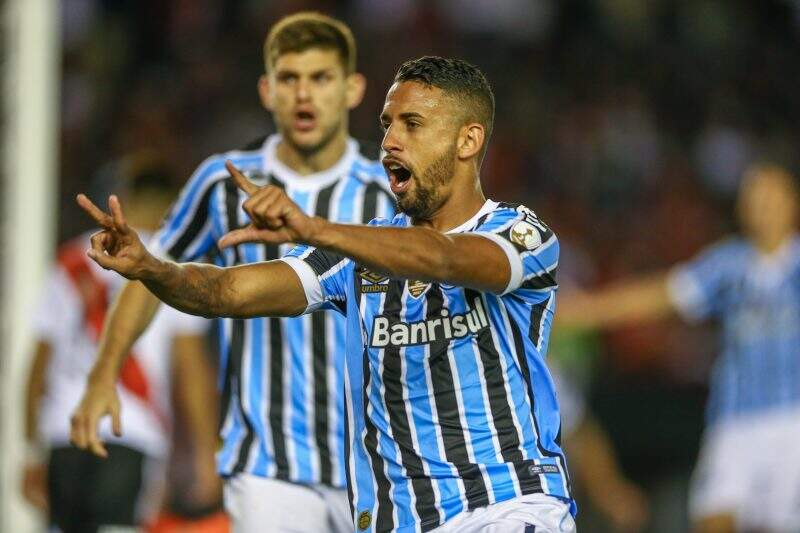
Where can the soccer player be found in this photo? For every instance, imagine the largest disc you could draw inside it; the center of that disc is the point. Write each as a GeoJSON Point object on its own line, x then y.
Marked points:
{"type": "Point", "coordinates": [282, 379]}
{"type": "Point", "coordinates": [748, 474]}
{"type": "Point", "coordinates": [451, 414]}
{"type": "Point", "coordinates": [81, 493]}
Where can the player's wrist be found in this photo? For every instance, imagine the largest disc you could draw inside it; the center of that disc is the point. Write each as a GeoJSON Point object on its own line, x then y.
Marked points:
{"type": "Point", "coordinates": [321, 234]}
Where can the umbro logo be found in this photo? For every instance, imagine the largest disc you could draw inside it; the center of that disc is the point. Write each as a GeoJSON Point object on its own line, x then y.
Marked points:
{"type": "Point", "coordinates": [374, 282]}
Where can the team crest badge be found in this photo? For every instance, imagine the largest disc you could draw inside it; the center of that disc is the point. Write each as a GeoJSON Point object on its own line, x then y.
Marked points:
{"type": "Point", "coordinates": [525, 235]}
{"type": "Point", "coordinates": [417, 287]}
{"type": "Point", "coordinates": [364, 519]}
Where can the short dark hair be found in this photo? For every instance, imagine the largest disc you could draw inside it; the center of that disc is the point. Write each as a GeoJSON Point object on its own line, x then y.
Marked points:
{"type": "Point", "coordinates": [460, 79]}
{"type": "Point", "coordinates": [308, 29]}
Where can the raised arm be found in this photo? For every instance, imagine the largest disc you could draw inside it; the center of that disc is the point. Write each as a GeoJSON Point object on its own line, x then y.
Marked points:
{"type": "Point", "coordinates": [261, 289]}
{"type": "Point", "coordinates": [622, 303]}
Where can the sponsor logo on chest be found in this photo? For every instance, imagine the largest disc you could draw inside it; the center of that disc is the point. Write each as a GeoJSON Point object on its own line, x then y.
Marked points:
{"type": "Point", "coordinates": [446, 327]}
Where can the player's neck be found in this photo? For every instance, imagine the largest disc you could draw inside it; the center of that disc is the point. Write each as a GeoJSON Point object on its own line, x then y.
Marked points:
{"type": "Point", "coordinates": [311, 162]}
{"type": "Point", "coordinates": [772, 244]}
{"type": "Point", "coordinates": [462, 204]}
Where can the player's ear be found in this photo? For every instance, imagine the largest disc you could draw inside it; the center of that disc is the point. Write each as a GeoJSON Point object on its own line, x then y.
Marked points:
{"type": "Point", "coordinates": [470, 140]}
{"type": "Point", "coordinates": [264, 92]}
{"type": "Point", "coordinates": [356, 85]}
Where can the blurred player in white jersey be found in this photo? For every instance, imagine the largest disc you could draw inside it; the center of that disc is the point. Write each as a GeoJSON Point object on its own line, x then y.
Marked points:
{"type": "Point", "coordinates": [748, 475]}
{"type": "Point", "coordinates": [81, 492]}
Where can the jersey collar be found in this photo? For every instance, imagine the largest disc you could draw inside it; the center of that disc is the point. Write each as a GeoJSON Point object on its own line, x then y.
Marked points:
{"type": "Point", "coordinates": [318, 180]}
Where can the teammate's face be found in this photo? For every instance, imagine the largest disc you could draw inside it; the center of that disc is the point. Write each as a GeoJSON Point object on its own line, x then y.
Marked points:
{"type": "Point", "coordinates": [309, 94]}
{"type": "Point", "coordinates": [768, 205]}
{"type": "Point", "coordinates": [420, 133]}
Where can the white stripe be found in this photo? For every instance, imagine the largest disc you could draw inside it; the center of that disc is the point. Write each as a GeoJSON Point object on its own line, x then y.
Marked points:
{"type": "Point", "coordinates": [332, 367]}
{"type": "Point", "coordinates": [286, 379]}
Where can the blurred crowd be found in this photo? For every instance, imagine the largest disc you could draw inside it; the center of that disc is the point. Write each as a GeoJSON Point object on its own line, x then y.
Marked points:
{"type": "Point", "coordinates": [625, 124]}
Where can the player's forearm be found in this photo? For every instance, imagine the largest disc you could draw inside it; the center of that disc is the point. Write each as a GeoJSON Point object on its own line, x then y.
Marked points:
{"type": "Point", "coordinates": [131, 313]}
{"type": "Point", "coordinates": [260, 289]}
{"type": "Point", "coordinates": [35, 390]}
{"type": "Point", "coordinates": [196, 394]}
{"type": "Point", "coordinates": [405, 253]}
{"type": "Point", "coordinates": [197, 289]}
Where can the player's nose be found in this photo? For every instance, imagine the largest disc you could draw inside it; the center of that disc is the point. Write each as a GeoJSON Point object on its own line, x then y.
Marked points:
{"type": "Point", "coordinates": [391, 142]}
{"type": "Point", "coordinates": [303, 90]}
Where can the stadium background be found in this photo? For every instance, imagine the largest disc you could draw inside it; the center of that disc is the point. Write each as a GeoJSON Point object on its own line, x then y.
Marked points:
{"type": "Point", "coordinates": [624, 124]}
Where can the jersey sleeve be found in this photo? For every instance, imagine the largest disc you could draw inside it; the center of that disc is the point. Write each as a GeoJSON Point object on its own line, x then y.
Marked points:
{"type": "Point", "coordinates": [187, 232]}
{"type": "Point", "coordinates": [531, 247]}
{"type": "Point", "coordinates": [694, 287]}
{"type": "Point", "coordinates": [323, 275]}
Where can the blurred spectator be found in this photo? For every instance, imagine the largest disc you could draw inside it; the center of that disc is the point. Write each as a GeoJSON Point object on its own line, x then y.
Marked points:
{"type": "Point", "coordinates": [80, 492]}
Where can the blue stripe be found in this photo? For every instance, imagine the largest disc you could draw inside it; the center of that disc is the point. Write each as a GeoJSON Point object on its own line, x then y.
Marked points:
{"type": "Point", "coordinates": [347, 201]}
{"type": "Point", "coordinates": [256, 394]}
{"type": "Point", "coordinates": [196, 186]}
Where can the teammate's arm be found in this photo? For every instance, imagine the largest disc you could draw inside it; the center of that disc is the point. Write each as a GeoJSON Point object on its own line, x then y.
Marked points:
{"type": "Point", "coordinates": [129, 316]}
{"type": "Point", "coordinates": [625, 302]}
{"type": "Point", "coordinates": [196, 398]}
{"type": "Point", "coordinates": [33, 478]}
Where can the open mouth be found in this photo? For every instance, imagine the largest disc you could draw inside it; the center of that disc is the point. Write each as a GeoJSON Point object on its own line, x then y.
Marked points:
{"type": "Point", "coordinates": [304, 120]}
{"type": "Point", "coordinates": [399, 175]}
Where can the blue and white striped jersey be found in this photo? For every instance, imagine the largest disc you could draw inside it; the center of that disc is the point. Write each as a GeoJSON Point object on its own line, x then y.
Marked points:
{"type": "Point", "coordinates": [756, 300]}
{"type": "Point", "coordinates": [281, 379]}
{"type": "Point", "coordinates": [450, 405]}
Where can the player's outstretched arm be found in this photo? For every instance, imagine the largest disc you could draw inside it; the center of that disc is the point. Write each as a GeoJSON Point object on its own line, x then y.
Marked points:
{"type": "Point", "coordinates": [260, 289]}
{"type": "Point", "coordinates": [410, 253]}
{"type": "Point", "coordinates": [622, 303]}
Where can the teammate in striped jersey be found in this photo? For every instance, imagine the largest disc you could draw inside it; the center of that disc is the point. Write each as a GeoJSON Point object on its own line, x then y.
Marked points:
{"type": "Point", "coordinates": [282, 379]}
{"type": "Point", "coordinates": [748, 474]}
{"type": "Point", "coordinates": [452, 417]}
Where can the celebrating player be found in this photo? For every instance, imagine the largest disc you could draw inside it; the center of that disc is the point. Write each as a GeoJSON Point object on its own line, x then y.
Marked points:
{"type": "Point", "coordinates": [451, 414]}
{"type": "Point", "coordinates": [282, 379]}
{"type": "Point", "coordinates": [748, 475]}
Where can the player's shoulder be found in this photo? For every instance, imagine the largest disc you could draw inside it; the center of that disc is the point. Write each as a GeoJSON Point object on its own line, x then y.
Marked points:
{"type": "Point", "coordinates": [497, 216]}
{"type": "Point", "coordinates": [731, 249]}
{"type": "Point", "coordinates": [250, 158]}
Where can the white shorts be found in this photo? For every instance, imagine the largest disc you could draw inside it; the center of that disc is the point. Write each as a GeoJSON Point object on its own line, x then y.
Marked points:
{"type": "Point", "coordinates": [749, 467]}
{"type": "Point", "coordinates": [534, 513]}
{"type": "Point", "coordinates": [262, 505]}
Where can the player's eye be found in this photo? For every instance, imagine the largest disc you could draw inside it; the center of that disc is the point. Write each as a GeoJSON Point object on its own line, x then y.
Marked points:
{"type": "Point", "coordinates": [412, 125]}
{"type": "Point", "coordinates": [287, 78]}
{"type": "Point", "coordinates": [321, 77]}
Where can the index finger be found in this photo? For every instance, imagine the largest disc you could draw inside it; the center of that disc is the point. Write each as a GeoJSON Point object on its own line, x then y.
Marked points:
{"type": "Point", "coordinates": [95, 212]}
{"type": "Point", "coordinates": [240, 180]}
